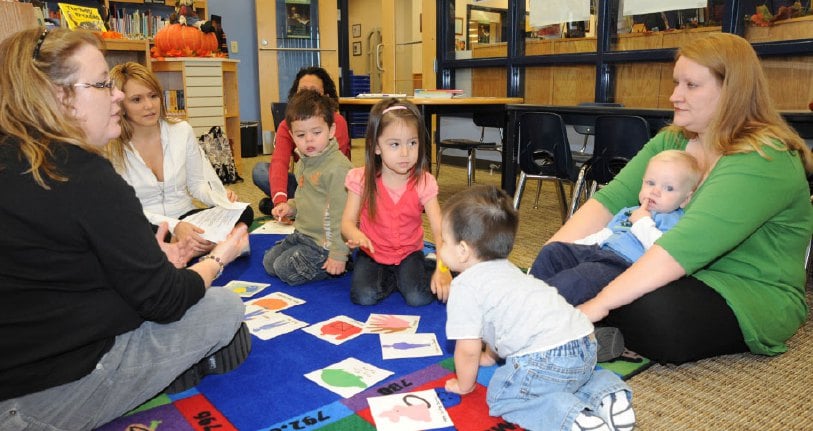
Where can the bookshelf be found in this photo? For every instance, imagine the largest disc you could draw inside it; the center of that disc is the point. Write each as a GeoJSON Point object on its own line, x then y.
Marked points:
{"type": "Point", "coordinates": [136, 19]}
{"type": "Point", "coordinates": [207, 88]}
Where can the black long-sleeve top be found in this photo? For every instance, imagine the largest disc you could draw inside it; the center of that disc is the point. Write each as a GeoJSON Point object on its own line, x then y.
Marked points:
{"type": "Point", "coordinates": [79, 265]}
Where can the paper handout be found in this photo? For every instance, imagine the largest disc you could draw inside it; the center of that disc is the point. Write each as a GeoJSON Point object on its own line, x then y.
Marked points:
{"type": "Point", "coordinates": [218, 221]}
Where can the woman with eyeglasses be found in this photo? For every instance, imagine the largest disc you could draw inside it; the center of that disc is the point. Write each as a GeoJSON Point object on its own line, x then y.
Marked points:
{"type": "Point", "coordinates": [94, 318]}
{"type": "Point", "coordinates": [162, 159]}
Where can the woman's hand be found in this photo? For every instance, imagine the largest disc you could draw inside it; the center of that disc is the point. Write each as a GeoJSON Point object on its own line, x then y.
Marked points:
{"type": "Point", "coordinates": [441, 284]}
{"type": "Point", "coordinates": [231, 195]}
{"type": "Point", "coordinates": [179, 252]}
{"type": "Point", "coordinates": [334, 267]}
{"type": "Point", "coordinates": [187, 232]}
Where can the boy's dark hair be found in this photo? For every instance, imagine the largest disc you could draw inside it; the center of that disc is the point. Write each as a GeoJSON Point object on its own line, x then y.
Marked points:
{"type": "Point", "coordinates": [309, 103]}
{"type": "Point", "coordinates": [327, 82]}
{"type": "Point", "coordinates": [485, 218]}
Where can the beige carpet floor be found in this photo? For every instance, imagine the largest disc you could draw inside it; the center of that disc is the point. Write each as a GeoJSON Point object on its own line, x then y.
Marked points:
{"type": "Point", "coordinates": [735, 392]}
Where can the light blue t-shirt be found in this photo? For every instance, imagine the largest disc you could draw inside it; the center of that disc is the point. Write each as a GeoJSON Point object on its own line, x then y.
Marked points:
{"type": "Point", "coordinates": [624, 243]}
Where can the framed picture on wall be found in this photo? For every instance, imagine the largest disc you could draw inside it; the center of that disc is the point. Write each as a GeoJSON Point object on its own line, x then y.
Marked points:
{"type": "Point", "coordinates": [458, 26]}
{"type": "Point", "coordinates": [356, 30]}
{"type": "Point", "coordinates": [298, 18]}
{"type": "Point", "coordinates": [356, 48]}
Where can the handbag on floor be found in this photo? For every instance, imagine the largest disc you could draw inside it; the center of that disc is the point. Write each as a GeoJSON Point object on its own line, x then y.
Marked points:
{"type": "Point", "coordinates": [217, 149]}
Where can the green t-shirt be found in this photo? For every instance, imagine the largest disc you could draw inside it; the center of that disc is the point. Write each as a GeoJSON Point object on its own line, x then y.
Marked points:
{"type": "Point", "coordinates": [744, 234]}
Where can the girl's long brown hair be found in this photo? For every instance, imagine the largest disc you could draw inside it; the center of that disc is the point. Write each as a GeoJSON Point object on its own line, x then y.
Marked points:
{"type": "Point", "coordinates": [380, 120]}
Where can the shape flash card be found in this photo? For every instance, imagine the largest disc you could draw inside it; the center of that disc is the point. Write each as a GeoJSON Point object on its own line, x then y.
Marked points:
{"type": "Point", "coordinates": [391, 324]}
{"type": "Point", "coordinates": [276, 301]}
{"type": "Point", "coordinates": [411, 411]}
{"type": "Point", "coordinates": [267, 325]}
{"type": "Point", "coordinates": [348, 377]}
{"type": "Point", "coordinates": [336, 330]}
{"type": "Point", "coordinates": [395, 346]}
{"type": "Point", "coordinates": [245, 289]}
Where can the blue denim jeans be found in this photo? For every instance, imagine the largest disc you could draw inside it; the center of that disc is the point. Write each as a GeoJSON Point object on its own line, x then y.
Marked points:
{"type": "Point", "coordinates": [297, 259]}
{"type": "Point", "coordinates": [372, 281]}
{"type": "Point", "coordinates": [259, 175]}
{"type": "Point", "coordinates": [140, 365]}
{"type": "Point", "coordinates": [547, 390]}
{"type": "Point", "coordinates": [578, 272]}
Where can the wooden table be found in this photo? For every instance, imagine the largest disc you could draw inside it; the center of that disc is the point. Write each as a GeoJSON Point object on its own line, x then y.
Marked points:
{"type": "Point", "coordinates": [801, 121]}
{"type": "Point", "coordinates": [454, 106]}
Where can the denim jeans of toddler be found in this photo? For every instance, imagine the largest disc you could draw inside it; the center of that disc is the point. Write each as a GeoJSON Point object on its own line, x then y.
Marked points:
{"type": "Point", "coordinates": [547, 390]}
{"type": "Point", "coordinates": [297, 259]}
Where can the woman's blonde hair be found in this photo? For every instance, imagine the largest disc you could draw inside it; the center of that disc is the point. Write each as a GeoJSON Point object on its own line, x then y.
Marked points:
{"type": "Point", "coordinates": [37, 65]}
{"type": "Point", "coordinates": [120, 75]}
{"type": "Point", "coordinates": [746, 119]}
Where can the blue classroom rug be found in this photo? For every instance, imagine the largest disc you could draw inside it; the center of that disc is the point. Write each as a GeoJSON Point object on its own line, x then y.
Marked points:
{"type": "Point", "coordinates": [270, 392]}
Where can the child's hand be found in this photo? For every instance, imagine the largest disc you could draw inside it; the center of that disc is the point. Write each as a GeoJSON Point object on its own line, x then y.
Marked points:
{"type": "Point", "coordinates": [441, 284]}
{"type": "Point", "coordinates": [453, 386]}
{"type": "Point", "coordinates": [334, 267]}
{"type": "Point", "coordinates": [231, 195]}
{"type": "Point", "coordinates": [640, 212]}
{"type": "Point", "coordinates": [361, 240]}
{"type": "Point", "coordinates": [281, 210]}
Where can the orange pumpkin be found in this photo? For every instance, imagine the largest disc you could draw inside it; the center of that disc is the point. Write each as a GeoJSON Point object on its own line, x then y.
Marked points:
{"type": "Point", "coordinates": [208, 44]}
{"type": "Point", "coordinates": [177, 40]}
{"type": "Point", "coordinates": [190, 40]}
{"type": "Point", "coordinates": [164, 40]}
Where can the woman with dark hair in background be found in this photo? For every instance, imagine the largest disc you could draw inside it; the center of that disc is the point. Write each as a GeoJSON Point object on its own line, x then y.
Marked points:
{"type": "Point", "coordinates": [274, 179]}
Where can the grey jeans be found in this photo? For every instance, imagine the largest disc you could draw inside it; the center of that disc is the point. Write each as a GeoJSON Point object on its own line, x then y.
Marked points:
{"type": "Point", "coordinates": [140, 364]}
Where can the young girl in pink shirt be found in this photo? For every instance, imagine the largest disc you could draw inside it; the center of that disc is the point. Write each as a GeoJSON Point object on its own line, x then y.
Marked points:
{"type": "Point", "coordinates": [382, 217]}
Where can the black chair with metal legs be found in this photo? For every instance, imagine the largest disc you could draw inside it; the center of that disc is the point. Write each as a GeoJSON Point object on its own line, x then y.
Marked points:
{"type": "Point", "coordinates": [544, 154]}
{"type": "Point", "coordinates": [581, 155]}
{"type": "Point", "coordinates": [618, 139]}
{"type": "Point", "coordinates": [471, 146]}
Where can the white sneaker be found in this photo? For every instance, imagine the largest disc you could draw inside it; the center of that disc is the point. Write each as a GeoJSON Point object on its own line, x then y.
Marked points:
{"type": "Point", "coordinates": [616, 410]}
{"type": "Point", "coordinates": [587, 421]}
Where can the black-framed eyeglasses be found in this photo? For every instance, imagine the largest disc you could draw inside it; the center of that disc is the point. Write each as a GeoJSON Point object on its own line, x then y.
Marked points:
{"type": "Point", "coordinates": [100, 85]}
{"type": "Point", "coordinates": [39, 43]}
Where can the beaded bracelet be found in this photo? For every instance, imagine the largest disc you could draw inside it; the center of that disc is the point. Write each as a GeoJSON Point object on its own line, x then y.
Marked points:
{"type": "Point", "coordinates": [219, 262]}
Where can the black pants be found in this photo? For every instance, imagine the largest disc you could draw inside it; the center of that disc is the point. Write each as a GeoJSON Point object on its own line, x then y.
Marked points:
{"type": "Point", "coordinates": [684, 321]}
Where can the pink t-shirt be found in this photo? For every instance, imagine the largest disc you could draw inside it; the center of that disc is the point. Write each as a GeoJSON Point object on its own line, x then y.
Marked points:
{"type": "Point", "coordinates": [397, 230]}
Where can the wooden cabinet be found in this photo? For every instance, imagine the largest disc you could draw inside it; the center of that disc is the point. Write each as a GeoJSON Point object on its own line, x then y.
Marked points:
{"type": "Point", "coordinates": [118, 51]}
{"type": "Point", "coordinates": [208, 88]}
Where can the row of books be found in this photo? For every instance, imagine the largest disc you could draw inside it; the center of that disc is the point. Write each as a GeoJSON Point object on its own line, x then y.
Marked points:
{"type": "Point", "coordinates": [136, 22]}
{"type": "Point", "coordinates": [175, 103]}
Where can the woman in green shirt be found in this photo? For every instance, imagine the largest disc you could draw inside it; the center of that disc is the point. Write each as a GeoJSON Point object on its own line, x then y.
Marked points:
{"type": "Point", "coordinates": [729, 277]}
